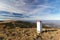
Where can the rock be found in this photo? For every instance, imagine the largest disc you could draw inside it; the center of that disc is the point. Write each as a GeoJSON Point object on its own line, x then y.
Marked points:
{"type": "Point", "coordinates": [1, 38]}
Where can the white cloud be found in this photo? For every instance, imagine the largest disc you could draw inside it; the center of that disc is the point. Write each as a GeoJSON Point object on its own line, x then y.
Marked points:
{"type": "Point", "coordinates": [34, 11]}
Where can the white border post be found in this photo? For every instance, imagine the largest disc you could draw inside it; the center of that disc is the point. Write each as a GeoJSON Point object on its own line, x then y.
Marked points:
{"type": "Point", "coordinates": [39, 27]}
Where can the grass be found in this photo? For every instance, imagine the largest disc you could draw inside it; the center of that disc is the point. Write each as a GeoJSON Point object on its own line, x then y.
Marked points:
{"type": "Point", "coordinates": [19, 31]}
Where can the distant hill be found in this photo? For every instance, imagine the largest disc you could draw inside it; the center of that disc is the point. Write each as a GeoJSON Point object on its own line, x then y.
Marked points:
{"type": "Point", "coordinates": [21, 24]}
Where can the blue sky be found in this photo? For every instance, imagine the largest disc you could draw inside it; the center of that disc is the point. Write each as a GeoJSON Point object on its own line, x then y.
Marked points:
{"type": "Point", "coordinates": [31, 9]}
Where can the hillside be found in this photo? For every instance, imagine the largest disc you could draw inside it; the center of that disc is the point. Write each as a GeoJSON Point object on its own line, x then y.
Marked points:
{"type": "Point", "coordinates": [13, 31]}
{"type": "Point", "coordinates": [21, 24]}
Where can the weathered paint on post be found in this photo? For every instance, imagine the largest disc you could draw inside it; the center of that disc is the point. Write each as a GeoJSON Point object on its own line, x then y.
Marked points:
{"type": "Point", "coordinates": [39, 27]}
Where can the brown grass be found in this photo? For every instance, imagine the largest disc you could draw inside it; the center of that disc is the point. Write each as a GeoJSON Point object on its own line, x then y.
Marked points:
{"type": "Point", "coordinates": [29, 34]}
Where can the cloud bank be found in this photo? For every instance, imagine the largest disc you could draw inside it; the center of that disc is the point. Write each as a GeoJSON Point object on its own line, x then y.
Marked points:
{"type": "Point", "coordinates": [32, 9]}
